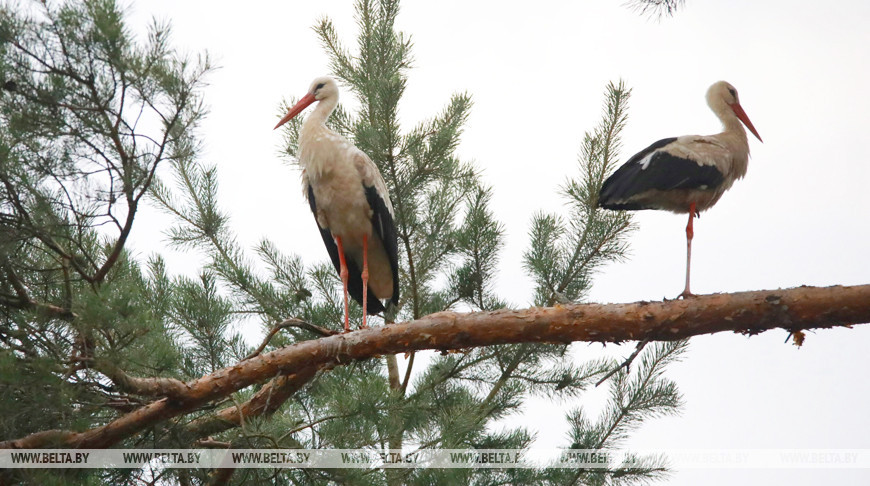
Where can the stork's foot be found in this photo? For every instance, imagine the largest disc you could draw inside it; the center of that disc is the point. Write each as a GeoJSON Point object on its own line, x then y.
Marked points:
{"type": "Point", "coordinates": [685, 295]}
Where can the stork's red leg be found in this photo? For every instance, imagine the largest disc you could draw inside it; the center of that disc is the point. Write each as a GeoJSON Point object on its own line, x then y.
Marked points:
{"type": "Point", "coordinates": [365, 278]}
{"type": "Point", "coordinates": [343, 274]}
{"type": "Point", "coordinates": [690, 233]}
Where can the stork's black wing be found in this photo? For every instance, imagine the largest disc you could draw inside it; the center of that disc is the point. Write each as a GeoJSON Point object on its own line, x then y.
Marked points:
{"type": "Point", "coordinates": [354, 281]}
{"type": "Point", "coordinates": [385, 228]}
{"type": "Point", "coordinates": [662, 172]}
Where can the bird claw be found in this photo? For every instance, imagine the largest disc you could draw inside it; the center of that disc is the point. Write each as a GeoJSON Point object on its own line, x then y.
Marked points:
{"type": "Point", "coordinates": [685, 295]}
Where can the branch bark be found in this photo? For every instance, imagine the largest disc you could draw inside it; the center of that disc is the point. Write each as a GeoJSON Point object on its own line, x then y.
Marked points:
{"type": "Point", "coordinates": [744, 312]}
{"type": "Point", "coordinates": [265, 402]}
{"type": "Point", "coordinates": [30, 304]}
{"type": "Point", "coordinates": [299, 323]}
{"type": "Point", "coordinates": [169, 387]}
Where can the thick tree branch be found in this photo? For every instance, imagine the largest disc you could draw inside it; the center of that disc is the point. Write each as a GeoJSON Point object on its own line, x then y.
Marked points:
{"type": "Point", "coordinates": [157, 386]}
{"type": "Point", "coordinates": [408, 373]}
{"type": "Point", "coordinates": [393, 372]}
{"type": "Point", "coordinates": [119, 244]}
{"type": "Point", "coordinates": [744, 312]}
{"type": "Point", "coordinates": [265, 402]}
{"type": "Point", "coordinates": [30, 304]}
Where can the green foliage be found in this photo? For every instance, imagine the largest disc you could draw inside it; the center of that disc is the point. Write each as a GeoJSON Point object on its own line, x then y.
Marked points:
{"type": "Point", "coordinates": [89, 116]}
{"type": "Point", "coordinates": [634, 397]}
{"type": "Point", "coordinates": [564, 255]}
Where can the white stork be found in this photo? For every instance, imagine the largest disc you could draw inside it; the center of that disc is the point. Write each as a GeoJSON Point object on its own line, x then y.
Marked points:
{"type": "Point", "coordinates": [351, 205]}
{"type": "Point", "coordinates": [685, 174]}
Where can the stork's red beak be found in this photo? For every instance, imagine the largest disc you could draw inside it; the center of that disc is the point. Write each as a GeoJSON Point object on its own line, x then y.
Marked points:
{"type": "Point", "coordinates": [738, 110]}
{"type": "Point", "coordinates": [297, 108]}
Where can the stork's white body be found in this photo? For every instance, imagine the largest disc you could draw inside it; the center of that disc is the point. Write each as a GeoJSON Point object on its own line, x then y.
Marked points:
{"type": "Point", "coordinates": [337, 172]}
{"type": "Point", "coordinates": [350, 202]}
{"type": "Point", "coordinates": [685, 174]}
{"type": "Point", "coordinates": [728, 152]}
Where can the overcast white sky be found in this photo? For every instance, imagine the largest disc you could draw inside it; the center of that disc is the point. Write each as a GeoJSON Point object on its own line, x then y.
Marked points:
{"type": "Point", "coordinates": [537, 72]}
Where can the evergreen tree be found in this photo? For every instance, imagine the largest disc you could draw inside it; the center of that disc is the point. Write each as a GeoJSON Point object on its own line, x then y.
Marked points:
{"type": "Point", "coordinates": [88, 115]}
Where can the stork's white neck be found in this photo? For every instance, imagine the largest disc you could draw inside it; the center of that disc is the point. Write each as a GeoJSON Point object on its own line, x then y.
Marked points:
{"type": "Point", "coordinates": [319, 147]}
{"type": "Point", "coordinates": [321, 112]}
{"type": "Point", "coordinates": [734, 138]}
{"type": "Point", "coordinates": [730, 123]}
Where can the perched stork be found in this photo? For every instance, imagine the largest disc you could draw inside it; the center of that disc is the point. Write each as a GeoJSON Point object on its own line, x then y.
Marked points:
{"type": "Point", "coordinates": [685, 174]}
{"type": "Point", "coordinates": [351, 205]}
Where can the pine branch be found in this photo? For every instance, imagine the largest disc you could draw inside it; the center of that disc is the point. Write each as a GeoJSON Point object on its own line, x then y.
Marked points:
{"type": "Point", "coordinates": [168, 387]}
{"type": "Point", "coordinates": [624, 413]}
{"type": "Point", "coordinates": [340, 59]}
{"type": "Point", "coordinates": [16, 302]}
{"type": "Point", "coordinates": [505, 376]}
{"type": "Point", "coordinates": [37, 232]}
{"type": "Point", "coordinates": [265, 402]}
{"type": "Point", "coordinates": [408, 369]}
{"type": "Point", "coordinates": [743, 312]}
{"type": "Point", "coordinates": [393, 373]}
{"type": "Point", "coordinates": [625, 364]}
{"type": "Point", "coordinates": [298, 323]}
{"type": "Point", "coordinates": [210, 443]}
{"type": "Point", "coordinates": [563, 256]}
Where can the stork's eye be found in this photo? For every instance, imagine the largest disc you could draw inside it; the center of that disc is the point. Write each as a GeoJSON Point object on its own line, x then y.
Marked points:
{"type": "Point", "coordinates": [319, 86]}
{"type": "Point", "coordinates": [733, 92]}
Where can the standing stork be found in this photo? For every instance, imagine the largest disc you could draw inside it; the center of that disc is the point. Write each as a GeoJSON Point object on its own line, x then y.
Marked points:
{"type": "Point", "coordinates": [351, 205]}
{"type": "Point", "coordinates": [685, 174]}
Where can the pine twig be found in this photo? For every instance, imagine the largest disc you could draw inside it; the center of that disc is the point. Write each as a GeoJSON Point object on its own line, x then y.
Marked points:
{"type": "Point", "coordinates": [312, 424]}
{"type": "Point", "coordinates": [625, 364]}
{"type": "Point", "coordinates": [209, 442]}
{"type": "Point", "coordinates": [293, 322]}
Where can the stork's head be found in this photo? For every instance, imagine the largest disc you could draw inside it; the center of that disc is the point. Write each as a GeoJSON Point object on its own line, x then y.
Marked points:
{"type": "Point", "coordinates": [322, 88]}
{"type": "Point", "coordinates": [722, 99]}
